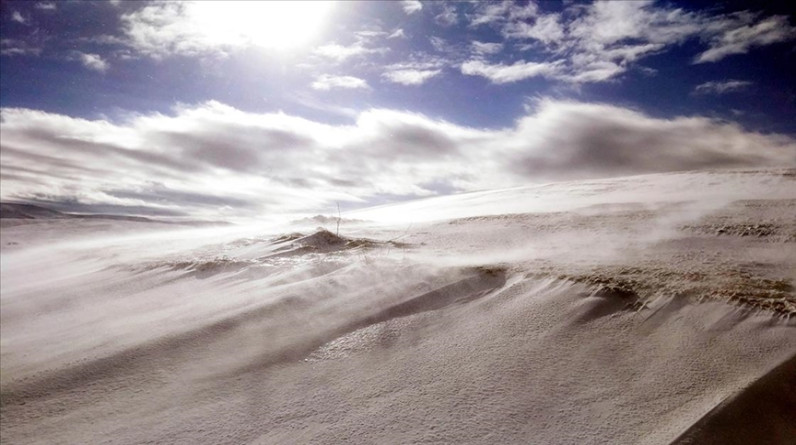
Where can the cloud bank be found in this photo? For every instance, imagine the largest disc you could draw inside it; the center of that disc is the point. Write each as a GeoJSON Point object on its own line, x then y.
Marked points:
{"type": "Point", "coordinates": [214, 161]}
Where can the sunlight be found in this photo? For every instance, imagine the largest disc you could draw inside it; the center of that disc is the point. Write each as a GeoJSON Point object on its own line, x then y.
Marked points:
{"type": "Point", "coordinates": [279, 25]}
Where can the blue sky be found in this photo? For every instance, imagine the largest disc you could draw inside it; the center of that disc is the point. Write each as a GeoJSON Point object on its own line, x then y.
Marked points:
{"type": "Point", "coordinates": [239, 109]}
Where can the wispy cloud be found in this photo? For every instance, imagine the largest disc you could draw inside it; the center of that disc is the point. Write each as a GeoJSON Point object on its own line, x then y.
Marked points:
{"type": "Point", "coordinates": [448, 16]}
{"type": "Point", "coordinates": [416, 71]}
{"type": "Point", "coordinates": [499, 73]}
{"type": "Point", "coordinates": [739, 33]}
{"type": "Point", "coordinates": [600, 41]}
{"type": "Point", "coordinates": [341, 53]}
{"type": "Point", "coordinates": [410, 76]}
{"type": "Point", "coordinates": [489, 13]}
{"type": "Point", "coordinates": [214, 160]}
{"type": "Point", "coordinates": [397, 34]}
{"type": "Point", "coordinates": [411, 6]}
{"type": "Point", "coordinates": [327, 82]}
{"type": "Point", "coordinates": [547, 29]}
{"type": "Point", "coordinates": [439, 44]}
{"type": "Point", "coordinates": [15, 47]}
{"type": "Point", "coordinates": [481, 48]}
{"type": "Point", "coordinates": [46, 6]}
{"type": "Point", "coordinates": [722, 87]}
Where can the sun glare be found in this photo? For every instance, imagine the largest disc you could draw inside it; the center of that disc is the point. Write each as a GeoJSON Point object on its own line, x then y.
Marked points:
{"type": "Point", "coordinates": [279, 25]}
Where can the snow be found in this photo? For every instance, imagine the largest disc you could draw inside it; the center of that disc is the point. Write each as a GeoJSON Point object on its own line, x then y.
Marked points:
{"type": "Point", "coordinates": [609, 311]}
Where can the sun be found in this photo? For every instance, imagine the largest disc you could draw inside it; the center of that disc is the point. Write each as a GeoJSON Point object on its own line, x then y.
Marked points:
{"type": "Point", "coordinates": [278, 25]}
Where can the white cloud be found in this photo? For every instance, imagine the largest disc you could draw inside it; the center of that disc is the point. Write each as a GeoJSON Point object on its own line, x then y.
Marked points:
{"type": "Point", "coordinates": [368, 35]}
{"type": "Point", "coordinates": [452, 50]}
{"type": "Point", "coordinates": [500, 73]}
{"type": "Point", "coordinates": [14, 47]}
{"type": "Point", "coordinates": [397, 34]}
{"type": "Point", "coordinates": [419, 61]}
{"type": "Point", "coordinates": [341, 53]}
{"type": "Point", "coordinates": [211, 157]}
{"type": "Point", "coordinates": [411, 6]}
{"type": "Point", "coordinates": [91, 61]}
{"type": "Point", "coordinates": [327, 82]}
{"type": "Point", "coordinates": [613, 35]}
{"type": "Point", "coordinates": [17, 17]}
{"type": "Point", "coordinates": [489, 13]}
{"type": "Point", "coordinates": [722, 87]}
{"type": "Point", "coordinates": [493, 13]}
{"type": "Point", "coordinates": [439, 43]}
{"type": "Point", "coordinates": [546, 29]}
{"type": "Point", "coordinates": [743, 34]}
{"type": "Point", "coordinates": [595, 71]}
{"type": "Point", "coordinates": [46, 6]}
{"type": "Point", "coordinates": [607, 23]}
{"type": "Point", "coordinates": [482, 48]}
{"type": "Point", "coordinates": [410, 76]}
{"type": "Point", "coordinates": [416, 71]}
{"type": "Point", "coordinates": [448, 16]}
{"type": "Point", "coordinates": [600, 41]}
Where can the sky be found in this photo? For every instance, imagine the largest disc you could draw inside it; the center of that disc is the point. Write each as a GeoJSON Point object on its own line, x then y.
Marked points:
{"type": "Point", "coordinates": [236, 110]}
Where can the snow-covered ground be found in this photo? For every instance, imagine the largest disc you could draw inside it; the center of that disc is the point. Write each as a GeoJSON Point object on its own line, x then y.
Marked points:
{"type": "Point", "coordinates": [643, 310]}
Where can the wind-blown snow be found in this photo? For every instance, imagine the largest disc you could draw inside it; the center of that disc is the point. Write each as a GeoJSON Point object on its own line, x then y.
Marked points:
{"type": "Point", "coordinates": [610, 311]}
